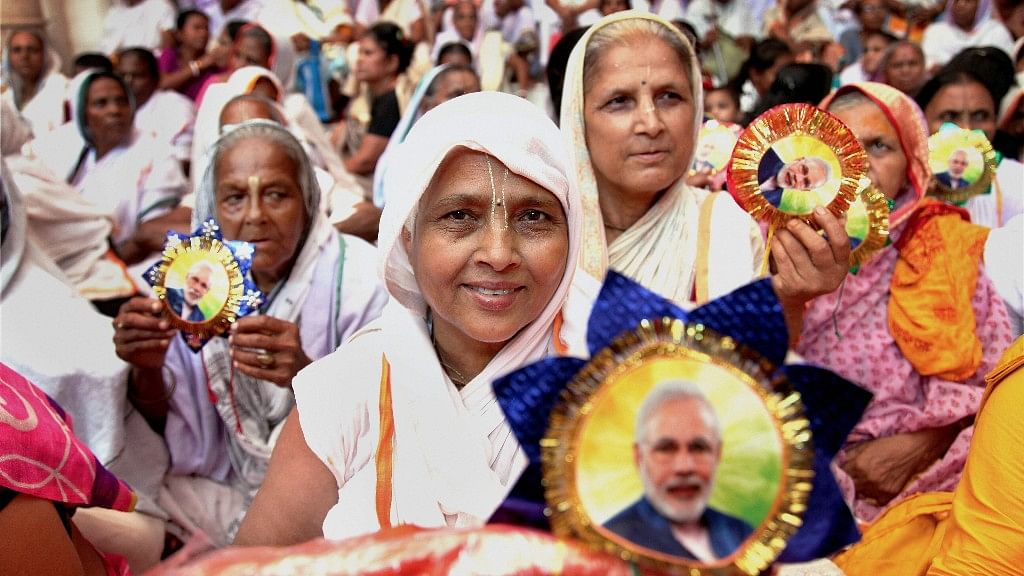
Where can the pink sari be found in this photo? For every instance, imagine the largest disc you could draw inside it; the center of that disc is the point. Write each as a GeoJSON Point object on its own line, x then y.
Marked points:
{"type": "Point", "coordinates": [849, 331]}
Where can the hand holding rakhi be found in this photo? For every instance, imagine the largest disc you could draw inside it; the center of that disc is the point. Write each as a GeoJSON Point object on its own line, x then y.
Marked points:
{"type": "Point", "coordinates": [267, 348]}
{"type": "Point", "coordinates": [142, 333]}
{"type": "Point", "coordinates": [808, 265]}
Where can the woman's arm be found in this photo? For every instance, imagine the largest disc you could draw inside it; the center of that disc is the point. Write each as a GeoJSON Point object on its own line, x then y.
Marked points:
{"type": "Point", "coordinates": [283, 512]}
{"type": "Point", "coordinates": [364, 160]}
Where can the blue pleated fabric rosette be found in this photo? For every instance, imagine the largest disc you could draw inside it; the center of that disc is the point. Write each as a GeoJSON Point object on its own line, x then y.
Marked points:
{"type": "Point", "coordinates": [203, 282]}
{"type": "Point", "coordinates": [534, 400]}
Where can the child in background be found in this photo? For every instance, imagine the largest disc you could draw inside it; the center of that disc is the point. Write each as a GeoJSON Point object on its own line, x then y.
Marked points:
{"type": "Point", "coordinates": [723, 104]}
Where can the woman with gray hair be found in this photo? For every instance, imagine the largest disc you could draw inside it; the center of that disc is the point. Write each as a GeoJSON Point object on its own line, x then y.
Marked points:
{"type": "Point", "coordinates": [261, 189]}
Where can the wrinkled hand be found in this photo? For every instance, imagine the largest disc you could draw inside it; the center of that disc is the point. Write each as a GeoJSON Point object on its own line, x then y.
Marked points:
{"type": "Point", "coordinates": [256, 339]}
{"type": "Point", "coordinates": [806, 264]}
{"type": "Point", "coordinates": [882, 467]}
{"type": "Point", "coordinates": [141, 333]}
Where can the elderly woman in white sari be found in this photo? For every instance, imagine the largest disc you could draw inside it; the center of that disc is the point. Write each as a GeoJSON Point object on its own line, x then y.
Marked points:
{"type": "Point", "coordinates": [112, 165]}
{"type": "Point", "coordinates": [222, 409]}
{"type": "Point", "coordinates": [631, 110]}
{"type": "Point", "coordinates": [479, 255]}
{"type": "Point", "coordinates": [32, 80]}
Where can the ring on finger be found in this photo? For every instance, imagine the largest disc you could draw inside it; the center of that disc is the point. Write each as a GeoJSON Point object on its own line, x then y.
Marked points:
{"type": "Point", "coordinates": [266, 359]}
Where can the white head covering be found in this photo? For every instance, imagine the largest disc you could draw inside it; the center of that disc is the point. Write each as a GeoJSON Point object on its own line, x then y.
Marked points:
{"type": "Point", "coordinates": [455, 454]}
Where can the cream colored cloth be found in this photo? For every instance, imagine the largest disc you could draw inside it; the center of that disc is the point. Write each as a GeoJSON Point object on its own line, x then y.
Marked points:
{"type": "Point", "coordinates": [455, 456]}
{"type": "Point", "coordinates": [659, 250]}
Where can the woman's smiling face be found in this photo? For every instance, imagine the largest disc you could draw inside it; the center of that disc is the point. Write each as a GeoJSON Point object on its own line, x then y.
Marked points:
{"type": "Point", "coordinates": [489, 249]}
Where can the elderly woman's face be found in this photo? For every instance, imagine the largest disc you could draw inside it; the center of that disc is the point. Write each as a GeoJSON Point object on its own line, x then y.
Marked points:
{"type": "Point", "coordinates": [108, 113]}
{"type": "Point", "coordinates": [488, 251]}
{"type": "Point", "coordinates": [639, 115]}
{"type": "Point", "coordinates": [259, 200]}
{"type": "Point", "coordinates": [887, 162]}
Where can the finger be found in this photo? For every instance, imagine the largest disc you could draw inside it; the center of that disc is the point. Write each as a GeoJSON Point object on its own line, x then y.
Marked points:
{"type": "Point", "coordinates": [816, 247]}
{"type": "Point", "coordinates": [150, 345]}
{"type": "Point", "coordinates": [262, 324]}
{"type": "Point", "coordinates": [127, 336]}
{"type": "Point", "coordinates": [141, 305]}
{"type": "Point", "coordinates": [137, 321]}
{"type": "Point", "coordinates": [277, 376]}
{"type": "Point", "coordinates": [798, 261]}
{"type": "Point", "coordinates": [835, 230]}
{"type": "Point", "coordinates": [252, 358]}
{"type": "Point", "coordinates": [258, 340]}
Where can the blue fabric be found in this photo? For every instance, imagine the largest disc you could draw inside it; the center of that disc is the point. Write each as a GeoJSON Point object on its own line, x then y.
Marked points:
{"type": "Point", "coordinates": [641, 524]}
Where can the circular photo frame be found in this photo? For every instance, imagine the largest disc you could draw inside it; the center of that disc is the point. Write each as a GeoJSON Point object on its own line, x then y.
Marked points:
{"type": "Point", "coordinates": [793, 158]}
{"type": "Point", "coordinates": [963, 163]}
{"type": "Point", "coordinates": [201, 286]}
{"type": "Point", "coordinates": [715, 143]}
{"type": "Point", "coordinates": [657, 453]}
{"type": "Point", "coordinates": [867, 225]}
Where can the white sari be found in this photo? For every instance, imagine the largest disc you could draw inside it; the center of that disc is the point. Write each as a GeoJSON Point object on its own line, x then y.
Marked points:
{"type": "Point", "coordinates": [455, 457]}
{"type": "Point", "coordinates": [690, 242]}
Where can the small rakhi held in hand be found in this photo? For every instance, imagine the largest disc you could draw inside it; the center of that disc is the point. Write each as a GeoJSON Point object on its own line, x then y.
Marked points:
{"type": "Point", "coordinates": [203, 282]}
{"type": "Point", "coordinates": [963, 163]}
{"type": "Point", "coordinates": [792, 159]}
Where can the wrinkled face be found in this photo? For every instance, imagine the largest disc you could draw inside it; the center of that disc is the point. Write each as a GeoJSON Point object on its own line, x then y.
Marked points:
{"type": "Point", "coordinates": [905, 69]}
{"type": "Point", "coordinates": [197, 284]}
{"type": "Point", "coordinates": [259, 200]}
{"type": "Point", "coordinates": [874, 48]}
{"type": "Point", "coordinates": [613, 6]}
{"type": "Point", "coordinates": [373, 63]}
{"type": "Point", "coordinates": [195, 33]}
{"type": "Point", "coordinates": [887, 161]}
{"type": "Point", "coordinates": [957, 163]}
{"type": "Point", "coordinates": [26, 54]}
{"type": "Point", "coordinates": [464, 19]}
{"type": "Point", "coordinates": [872, 14]}
{"type": "Point", "coordinates": [678, 458]}
{"type": "Point", "coordinates": [968, 105]}
{"type": "Point", "coordinates": [452, 85]}
{"type": "Point", "coordinates": [803, 174]}
{"type": "Point", "coordinates": [719, 105]}
{"type": "Point", "coordinates": [486, 270]}
{"type": "Point", "coordinates": [251, 52]}
{"type": "Point", "coordinates": [108, 113]}
{"type": "Point", "coordinates": [964, 12]}
{"type": "Point", "coordinates": [639, 118]}
{"type": "Point", "coordinates": [139, 77]}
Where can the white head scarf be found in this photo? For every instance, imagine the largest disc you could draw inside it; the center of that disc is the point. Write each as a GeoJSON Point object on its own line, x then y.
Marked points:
{"type": "Point", "coordinates": [658, 250]}
{"type": "Point", "coordinates": [455, 454]}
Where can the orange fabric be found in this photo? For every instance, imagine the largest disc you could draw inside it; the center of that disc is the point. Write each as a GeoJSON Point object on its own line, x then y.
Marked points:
{"type": "Point", "coordinates": [979, 529]}
{"type": "Point", "coordinates": [385, 458]}
{"type": "Point", "coordinates": [561, 348]}
{"type": "Point", "coordinates": [931, 316]}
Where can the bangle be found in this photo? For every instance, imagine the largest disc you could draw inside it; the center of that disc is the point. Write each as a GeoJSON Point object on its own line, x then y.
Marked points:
{"type": "Point", "coordinates": [194, 67]}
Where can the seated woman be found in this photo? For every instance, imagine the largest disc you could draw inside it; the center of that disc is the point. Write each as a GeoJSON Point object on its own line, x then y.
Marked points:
{"type": "Point", "coordinates": [126, 172]}
{"type": "Point", "coordinates": [479, 255]}
{"type": "Point", "coordinates": [35, 516]}
{"type": "Point", "coordinates": [188, 65]}
{"type": "Point", "coordinates": [260, 189]}
{"type": "Point", "coordinates": [959, 95]}
{"type": "Point", "coordinates": [70, 358]}
{"type": "Point", "coordinates": [918, 325]}
{"type": "Point", "coordinates": [34, 85]}
{"type": "Point", "coordinates": [632, 127]}
{"type": "Point", "coordinates": [441, 84]}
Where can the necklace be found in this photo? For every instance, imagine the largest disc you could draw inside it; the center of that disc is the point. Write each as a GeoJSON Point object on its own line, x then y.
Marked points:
{"type": "Point", "coordinates": [453, 373]}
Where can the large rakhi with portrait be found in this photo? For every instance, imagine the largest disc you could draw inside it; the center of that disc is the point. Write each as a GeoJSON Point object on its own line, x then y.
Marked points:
{"type": "Point", "coordinates": [203, 282]}
{"type": "Point", "coordinates": [684, 445]}
{"type": "Point", "coordinates": [963, 163]}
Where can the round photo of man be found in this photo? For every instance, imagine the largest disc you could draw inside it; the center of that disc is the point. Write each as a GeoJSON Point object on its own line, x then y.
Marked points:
{"type": "Point", "coordinates": [798, 173]}
{"type": "Point", "coordinates": [680, 458]}
{"type": "Point", "coordinates": [196, 287]}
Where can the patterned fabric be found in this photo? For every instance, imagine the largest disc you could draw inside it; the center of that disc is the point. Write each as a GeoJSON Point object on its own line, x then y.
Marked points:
{"type": "Point", "coordinates": [849, 331]}
{"type": "Point", "coordinates": [41, 457]}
